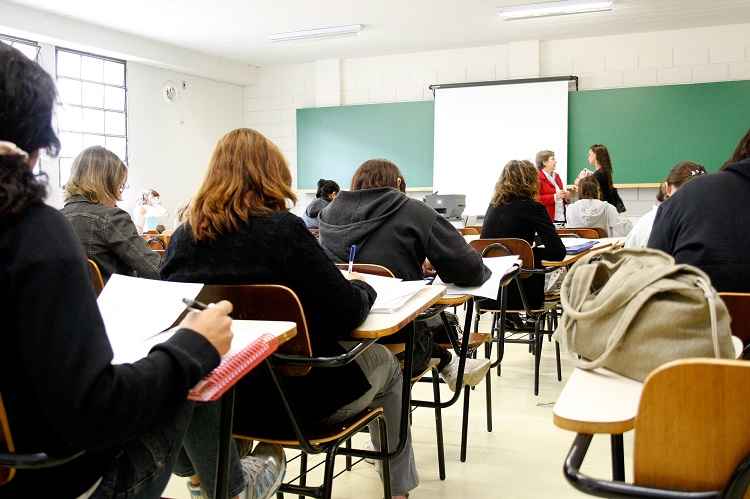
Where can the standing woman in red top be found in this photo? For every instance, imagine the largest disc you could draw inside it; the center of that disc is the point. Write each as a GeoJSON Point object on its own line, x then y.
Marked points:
{"type": "Point", "coordinates": [552, 193]}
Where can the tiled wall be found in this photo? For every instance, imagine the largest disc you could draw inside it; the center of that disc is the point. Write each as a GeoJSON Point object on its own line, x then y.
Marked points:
{"type": "Point", "coordinates": [660, 58]}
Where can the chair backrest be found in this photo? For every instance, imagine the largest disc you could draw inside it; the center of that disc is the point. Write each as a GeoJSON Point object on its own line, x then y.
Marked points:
{"type": "Point", "coordinates": [516, 246]}
{"type": "Point", "coordinates": [469, 231]}
{"type": "Point", "coordinates": [738, 305]}
{"type": "Point", "coordinates": [315, 233]}
{"type": "Point", "coordinates": [156, 243]}
{"type": "Point", "coordinates": [97, 281]}
{"type": "Point", "coordinates": [367, 268]}
{"type": "Point", "coordinates": [266, 302]}
{"type": "Point", "coordinates": [6, 444]}
{"type": "Point", "coordinates": [583, 232]}
{"type": "Point", "coordinates": [692, 430]}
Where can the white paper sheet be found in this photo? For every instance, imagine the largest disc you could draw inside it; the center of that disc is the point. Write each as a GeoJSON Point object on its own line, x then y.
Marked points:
{"type": "Point", "coordinates": [392, 293]}
{"type": "Point", "coordinates": [135, 309]}
{"type": "Point", "coordinates": [500, 266]}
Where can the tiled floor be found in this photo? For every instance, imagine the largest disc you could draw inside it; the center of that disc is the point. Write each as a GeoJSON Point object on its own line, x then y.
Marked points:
{"type": "Point", "coordinates": [521, 459]}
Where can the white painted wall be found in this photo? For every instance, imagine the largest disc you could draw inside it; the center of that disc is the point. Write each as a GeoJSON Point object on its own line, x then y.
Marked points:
{"type": "Point", "coordinates": [669, 57]}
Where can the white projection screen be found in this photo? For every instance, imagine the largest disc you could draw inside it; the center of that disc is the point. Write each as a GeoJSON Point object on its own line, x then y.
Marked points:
{"type": "Point", "coordinates": [480, 128]}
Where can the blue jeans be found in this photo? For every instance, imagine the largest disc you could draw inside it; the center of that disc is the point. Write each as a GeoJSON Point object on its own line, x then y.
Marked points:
{"type": "Point", "coordinates": [200, 451]}
{"type": "Point", "coordinates": [142, 467]}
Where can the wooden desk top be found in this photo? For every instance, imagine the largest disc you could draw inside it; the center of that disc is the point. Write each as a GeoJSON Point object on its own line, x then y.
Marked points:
{"type": "Point", "coordinates": [597, 401]}
{"type": "Point", "coordinates": [282, 330]}
{"type": "Point", "coordinates": [454, 300]}
{"type": "Point", "coordinates": [381, 325]}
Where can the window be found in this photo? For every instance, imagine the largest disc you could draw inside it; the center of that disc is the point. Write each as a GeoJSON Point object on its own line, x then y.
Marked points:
{"type": "Point", "coordinates": [30, 49]}
{"type": "Point", "coordinates": [93, 105]}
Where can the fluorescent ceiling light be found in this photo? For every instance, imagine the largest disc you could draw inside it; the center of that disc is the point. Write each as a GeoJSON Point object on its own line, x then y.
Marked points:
{"type": "Point", "coordinates": [560, 8]}
{"type": "Point", "coordinates": [308, 34]}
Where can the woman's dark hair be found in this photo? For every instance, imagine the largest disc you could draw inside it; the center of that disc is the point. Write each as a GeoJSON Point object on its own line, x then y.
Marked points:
{"type": "Point", "coordinates": [326, 188]}
{"type": "Point", "coordinates": [741, 153]}
{"type": "Point", "coordinates": [602, 159]}
{"type": "Point", "coordinates": [588, 188]}
{"type": "Point", "coordinates": [27, 100]}
{"type": "Point", "coordinates": [402, 185]}
{"type": "Point", "coordinates": [661, 194]}
{"type": "Point", "coordinates": [683, 172]}
{"type": "Point", "coordinates": [375, 173]}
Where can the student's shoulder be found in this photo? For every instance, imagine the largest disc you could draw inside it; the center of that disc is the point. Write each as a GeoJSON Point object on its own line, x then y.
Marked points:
{"type": "Point", "coordinates": [43, 233]}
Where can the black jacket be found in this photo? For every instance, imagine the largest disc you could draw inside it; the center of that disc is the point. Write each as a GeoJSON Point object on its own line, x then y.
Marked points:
{"type": "Point", "coordinates": [525, 219]}
{"type": "Point", "coordinates": [397, 232]}
{"type": "Point", "coordinates": [609, 192]}
{"type": "Point", "coordinates": [60, 390]}
{"type": "Point", "coordinates": [706, 224]}
{"type": "Point", "coordinates": [278, 249]}
{"type": "Point", "coordinates": [110, 238]}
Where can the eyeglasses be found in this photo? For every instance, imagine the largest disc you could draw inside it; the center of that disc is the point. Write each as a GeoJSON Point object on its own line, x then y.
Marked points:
{"type": "Point", "coordinates": [124, 187]}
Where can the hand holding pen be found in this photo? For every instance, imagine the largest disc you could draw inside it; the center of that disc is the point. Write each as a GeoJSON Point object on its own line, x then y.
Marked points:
{"type": "Point", "coordinates": [212, 322]}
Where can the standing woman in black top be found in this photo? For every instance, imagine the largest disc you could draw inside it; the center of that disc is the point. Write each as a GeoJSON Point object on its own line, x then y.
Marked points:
{"type": "Point", "coordinates": [59, 387]}
{"type": "Point", "coordinates": [599, 158]}
{"type": "Point", "coordinates": [515, 213]}
{"type": "Point", "coordinates": [239, 231]}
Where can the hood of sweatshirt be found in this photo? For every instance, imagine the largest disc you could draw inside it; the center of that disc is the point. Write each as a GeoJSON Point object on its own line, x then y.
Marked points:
{"type": "Point", "coordinates": [354, 215]}
{"type": "Point", "coordinates": [741, 168]}
{"type": "Point", "coordinates": [592, 212]}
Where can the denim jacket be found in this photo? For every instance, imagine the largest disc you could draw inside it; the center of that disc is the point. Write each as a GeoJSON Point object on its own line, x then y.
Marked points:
{"type": "Point", "coordinates": [110, 238]}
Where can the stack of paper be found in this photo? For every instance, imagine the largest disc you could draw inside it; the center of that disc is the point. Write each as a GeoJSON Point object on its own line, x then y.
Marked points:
{"type": "Point", "coordinates": [500, 267]}
{"type": "Point", "coordinates": [575, 245]}
{"type": "Point", "coordinates": [392, 293]}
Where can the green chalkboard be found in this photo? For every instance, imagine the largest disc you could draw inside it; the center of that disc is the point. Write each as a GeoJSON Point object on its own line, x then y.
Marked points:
{"type": "Point", "coordinates": [649, 129]}
{"type": "Point", "coordinates": [333, 141]}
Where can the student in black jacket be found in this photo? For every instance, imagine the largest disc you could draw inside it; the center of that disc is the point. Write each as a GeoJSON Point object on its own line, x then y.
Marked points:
{"type": "Point", "coordinates": [599, 158]}
{"type": "Point", "coordinates": [514, 213]}
{"type": "Point", "coordinates": [58, 385]}
{"type": "Point", "coordinates": [706, 223]}
{"type": "Point", "coordinates": [239, 231]}
{"type": "Point", "coordinates": [397, 232]}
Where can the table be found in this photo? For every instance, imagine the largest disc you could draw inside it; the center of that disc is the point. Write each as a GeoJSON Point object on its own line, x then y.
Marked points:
{"type": "Point", "coordinates": [571, 259]}
{"type": "Point", "coordinates": [283, 331]}
{"type": "Point", "coordinates": [600, 402]}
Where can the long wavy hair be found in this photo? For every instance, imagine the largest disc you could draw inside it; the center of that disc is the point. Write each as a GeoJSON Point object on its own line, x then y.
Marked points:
{"type": "Point", "coordinates": [98, 175]}
{"type": "Point", "coordinates": [519, 180]}
{"type": "Point", "coordinates": [604, 160]}
{"type": "Point", "coordinates": [27, 99]}
{"type": "Point", "coordinates": [247, 176]}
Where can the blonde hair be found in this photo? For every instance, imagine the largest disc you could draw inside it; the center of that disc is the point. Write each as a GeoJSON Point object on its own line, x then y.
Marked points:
{"type": "Point", "coordinates": [519, 180]}
{"type": "Point", "coordinates": [98, 175]}
{"type": "Point", "coordinates": [247, 176]}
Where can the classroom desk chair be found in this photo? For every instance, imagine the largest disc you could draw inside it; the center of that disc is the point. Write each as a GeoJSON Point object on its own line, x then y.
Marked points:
{"type": "Point", "coordinates": [97, 281]}
{"type": "Point", "coordinates": [367, 268]}
{"type": "Point", "coordinates": [10, 461]}
{"type": "Point", "coordinates": [540, 317]}
{"type": "Point", "coordinates": [469, 231]}
{"type": "Point", "coordinates": [583, 232]}
{"type": "Point", "coordinates": [692, 440]}
{"type": "Point", "coordinates": [738, 305]}
{"type": "Point", "coordinates": [296, 358]}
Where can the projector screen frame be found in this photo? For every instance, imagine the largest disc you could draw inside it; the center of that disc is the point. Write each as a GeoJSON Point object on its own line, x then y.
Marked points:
{"type": "Point", "coordinates": [572, 78]}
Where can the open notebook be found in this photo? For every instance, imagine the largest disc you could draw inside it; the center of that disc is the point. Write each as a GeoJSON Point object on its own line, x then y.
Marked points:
{"type": "Point", "coordinates": [500, 267]}
{"type": "Point", "coordinates": [139, 314]}
{"type": "Point", "coordinates": [393, 293]}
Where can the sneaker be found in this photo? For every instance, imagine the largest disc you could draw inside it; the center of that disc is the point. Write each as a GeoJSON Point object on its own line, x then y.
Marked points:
{"type": "Point", "coordinates": [264, 469]}
{"type": "Point", "coordinates": [474, 371]}
{"type": "Point", "coordinates": [368, 446]}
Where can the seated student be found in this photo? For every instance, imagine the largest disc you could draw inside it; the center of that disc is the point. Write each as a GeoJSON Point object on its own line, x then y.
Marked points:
{"type": "Point", "coordinates": [57, 381]}
{"type": "Point", "coordinates": [327, 191]}
{"type": "Point", "coordinates": [107, 233]}
{"type": "Point", "coordinates": [397, 232]}
{"type": "Point", "coordinates": [680, 174]}
{"type": "Point", "coordinates": [514, 213]}
{"type": "Point", "coordinates": [591, 211]}
{"type": "Point", "coordinates": [258, 241]}
{"type": "Point", "coordinates": [706, 224]}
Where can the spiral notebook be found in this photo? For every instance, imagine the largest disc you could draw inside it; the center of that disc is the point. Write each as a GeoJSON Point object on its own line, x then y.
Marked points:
{"type": "Point", "coordinates": [138, 315]}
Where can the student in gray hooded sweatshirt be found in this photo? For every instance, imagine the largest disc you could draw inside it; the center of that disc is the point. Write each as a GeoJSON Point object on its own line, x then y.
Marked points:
{"type": "Point", "coordinates": [327, 191]}
{"type": "Point", "coordinates": [397, 232]}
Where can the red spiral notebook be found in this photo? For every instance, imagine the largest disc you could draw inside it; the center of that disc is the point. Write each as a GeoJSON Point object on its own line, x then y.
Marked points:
{"type": "Point", "coordinates": [234, 365]}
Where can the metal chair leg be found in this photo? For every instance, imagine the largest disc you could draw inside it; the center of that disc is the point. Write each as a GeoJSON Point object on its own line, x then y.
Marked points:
{"type": "Point", "coordinates": [382, 427]}
{"type": "Point", "coordinates": [348, 458]}
{"type": "Point", "coordinates": [302, 472]}
{"type": "Point", "coordinates": [488, 388]}
{"type": "Point", "coordinates": [465, 424]}
{"type": "Point", "coordinates": [559, 367]}
{"type": "Point", "coordinates": [537, 356]}
{"type": "Point", "coordinates": [438, 424]}
{"type": "Point", "coordinates": [328, 473]}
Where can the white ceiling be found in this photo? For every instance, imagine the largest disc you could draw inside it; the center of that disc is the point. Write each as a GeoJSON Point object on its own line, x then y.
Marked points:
{"type": "Point", "coordinates": [238, 29]}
